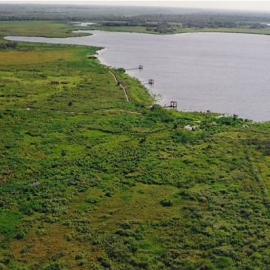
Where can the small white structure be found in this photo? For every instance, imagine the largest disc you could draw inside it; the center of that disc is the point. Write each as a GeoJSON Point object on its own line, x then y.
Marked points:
{"type": "Point", "coordinates": [189, 128]}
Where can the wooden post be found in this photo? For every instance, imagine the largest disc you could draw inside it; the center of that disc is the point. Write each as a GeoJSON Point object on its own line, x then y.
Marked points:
{"type": "Point", "coordinates": [173, 105]}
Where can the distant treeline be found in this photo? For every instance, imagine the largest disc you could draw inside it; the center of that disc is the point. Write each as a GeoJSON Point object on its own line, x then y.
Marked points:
{"type": "Point", "coordinates": [128, 16]}
{"type": "Point", "coordinates": [196, 20]}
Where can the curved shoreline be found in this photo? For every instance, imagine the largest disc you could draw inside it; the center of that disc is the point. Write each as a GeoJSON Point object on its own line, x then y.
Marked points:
{"type": "Point", "coordinates": [85, 42]}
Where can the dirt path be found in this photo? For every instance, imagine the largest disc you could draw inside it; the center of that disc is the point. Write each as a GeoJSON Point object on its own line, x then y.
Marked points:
{"type": "Point", "coordinates": [124, 89]}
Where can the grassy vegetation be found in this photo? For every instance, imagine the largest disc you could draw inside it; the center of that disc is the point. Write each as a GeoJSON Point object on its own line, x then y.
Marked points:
{"type": "Point", "coordinates": [37, 28]}
{"type": "Point", "coordinates": [262, 31]}
{"type": "Point", "coordinates": [90, 181]}
{"type": "Point", "coordinates": [131, 29]}
{"type": "Point", "coordinates": [176, 29]}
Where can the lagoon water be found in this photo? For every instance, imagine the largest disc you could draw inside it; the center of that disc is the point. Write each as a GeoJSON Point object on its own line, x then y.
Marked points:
{"type": "Point", "coordinates": [224, 73]}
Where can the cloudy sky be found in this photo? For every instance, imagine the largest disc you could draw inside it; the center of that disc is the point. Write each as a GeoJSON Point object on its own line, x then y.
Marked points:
{"type": "Point", "coordinates": [216, 4]}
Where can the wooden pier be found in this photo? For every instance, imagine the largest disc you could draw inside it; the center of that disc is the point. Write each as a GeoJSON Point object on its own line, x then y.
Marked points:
{"type": "Point", "coordinates": [151, 81]}
{"type": "Point", "coordinates": [173, 105]}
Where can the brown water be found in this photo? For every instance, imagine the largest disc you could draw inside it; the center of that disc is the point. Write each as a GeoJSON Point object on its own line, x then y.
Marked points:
{"type": "Point", "coordinates": [226, 73]}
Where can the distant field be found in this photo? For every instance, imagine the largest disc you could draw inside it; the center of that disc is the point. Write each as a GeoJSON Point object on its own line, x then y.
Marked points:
{"type": "Point", "coordinates": [36, 28]}
{"type": "Point", "coordinates": [263, 31]}
{"type": "Point", "coordinates": [17, 58]}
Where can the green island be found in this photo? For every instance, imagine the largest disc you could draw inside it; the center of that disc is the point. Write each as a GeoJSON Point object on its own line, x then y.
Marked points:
{"type": "Point", "coordinates": [91, 181]}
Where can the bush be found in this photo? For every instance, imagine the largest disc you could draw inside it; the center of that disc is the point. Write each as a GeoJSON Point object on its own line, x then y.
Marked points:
{"type": "Point", "coordinates": [166, 203]}
{"type": "Point", "coordinates": [55, 266]}
{"type": "Point", "coordinates": [20, 235]}
{"type": "Point", "coordinates": [121, 70]}
{"type": "Point", "coordinates": [158, 113]}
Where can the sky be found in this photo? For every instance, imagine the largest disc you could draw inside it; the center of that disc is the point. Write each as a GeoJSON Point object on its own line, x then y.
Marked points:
{"type": "Point", "coordinates": [214, 4]}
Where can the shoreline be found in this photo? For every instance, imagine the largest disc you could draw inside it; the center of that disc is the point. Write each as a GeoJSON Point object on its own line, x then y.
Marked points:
{"type": "Point", "coordinates": [162, 102]}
